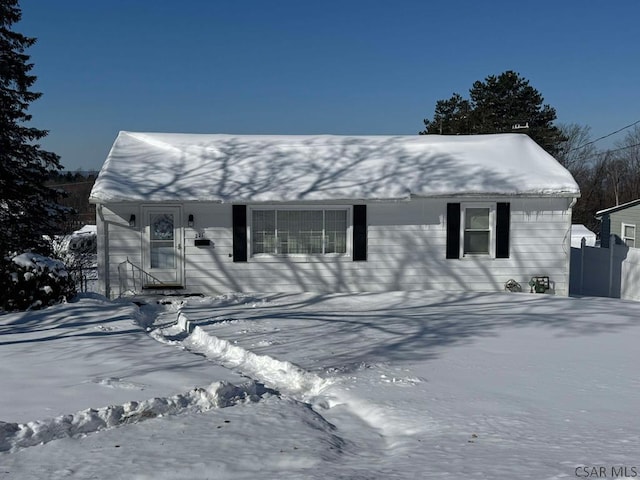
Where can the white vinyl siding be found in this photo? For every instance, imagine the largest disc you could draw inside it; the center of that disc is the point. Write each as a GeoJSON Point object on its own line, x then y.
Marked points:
{"type": "Point", "coordinates": [117, 243]}
{"type": "Point", "coordinates": [406, 244]}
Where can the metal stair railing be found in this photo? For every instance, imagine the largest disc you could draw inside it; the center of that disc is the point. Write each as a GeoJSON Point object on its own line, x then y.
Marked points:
{"type": "Point", "coordinates": [132, 279]}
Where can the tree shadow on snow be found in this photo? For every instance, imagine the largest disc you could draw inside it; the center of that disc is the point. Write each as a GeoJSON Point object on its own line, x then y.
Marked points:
{"type": "Point", "coordinates": [414, 325]}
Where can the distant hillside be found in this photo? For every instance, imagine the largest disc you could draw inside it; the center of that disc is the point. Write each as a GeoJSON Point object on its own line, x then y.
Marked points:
{"type": "Point", "coordinates": [77, 187]}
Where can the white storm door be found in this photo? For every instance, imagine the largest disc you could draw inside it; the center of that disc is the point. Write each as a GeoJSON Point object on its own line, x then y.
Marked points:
{"type": "Point", "coordinates": [163, 245]}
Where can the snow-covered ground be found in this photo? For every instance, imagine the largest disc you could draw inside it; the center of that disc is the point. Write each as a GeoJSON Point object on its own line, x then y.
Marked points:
{"type": "Point", "coordinates": [360, 386]}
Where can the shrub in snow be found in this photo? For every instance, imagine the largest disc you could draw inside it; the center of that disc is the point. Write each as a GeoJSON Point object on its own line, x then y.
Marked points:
{"type": "Point", "coordinates": [31, 281]}
{"type": "Point", "coordinates": [80, 242]}
{"type": "Point", "coordinates": [78, 252]}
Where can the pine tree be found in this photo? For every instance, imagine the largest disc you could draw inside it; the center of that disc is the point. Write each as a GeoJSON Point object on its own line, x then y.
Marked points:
{"type": "Point", "coordinates": [28, 208]}
{"type": "Point", "coordinates": [451, 116]}
{"type": "Point", "coordinates": [496, 105]}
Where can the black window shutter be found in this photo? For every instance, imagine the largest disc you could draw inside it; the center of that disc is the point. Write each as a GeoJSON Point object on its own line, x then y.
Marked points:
{"type": "Point", "coordinates": [503, 225]}
{"type": "Point", "coordinates": [359, 233]}
{"type": "Point", "coordinates": [239, 214]}
{"type": "Point", "coordinates": [453, 230]}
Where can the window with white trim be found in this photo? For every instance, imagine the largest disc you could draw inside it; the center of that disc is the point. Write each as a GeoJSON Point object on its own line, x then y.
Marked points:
{"type": "Point", "coordinates": [629, 234]}
{"type": "Point", "coordinates": [298, 231]}
{"type": "Point", "coordinates": [478, 229]}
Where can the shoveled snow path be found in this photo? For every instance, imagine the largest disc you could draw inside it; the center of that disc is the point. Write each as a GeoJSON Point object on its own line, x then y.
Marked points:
{"type": "Point", "coordinates": [271, 439]}
{"type": "Point", "coordinates": [327, 396]}
{"type": "Point", "coordinates": [14, 436]}
{"type": "Point", "coordinates": [278, 374]}
{"type": "Point", "coordinates": [69, 337]}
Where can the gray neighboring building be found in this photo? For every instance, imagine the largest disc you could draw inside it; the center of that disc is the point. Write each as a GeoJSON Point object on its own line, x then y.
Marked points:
{"type": "Point", "coordinates": [621, 221]}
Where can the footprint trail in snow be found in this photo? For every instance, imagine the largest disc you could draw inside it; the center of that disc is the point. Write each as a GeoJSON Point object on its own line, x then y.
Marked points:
{"type": "Point", "coordinates": [326, 395]}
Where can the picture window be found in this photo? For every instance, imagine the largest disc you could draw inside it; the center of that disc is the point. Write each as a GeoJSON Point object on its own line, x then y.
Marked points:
{"type": "Point", "coordinates": [299, 232]}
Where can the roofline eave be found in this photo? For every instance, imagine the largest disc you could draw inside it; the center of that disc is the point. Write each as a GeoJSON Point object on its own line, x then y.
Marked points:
{"type": "Point", "coordinates": [404, 198]}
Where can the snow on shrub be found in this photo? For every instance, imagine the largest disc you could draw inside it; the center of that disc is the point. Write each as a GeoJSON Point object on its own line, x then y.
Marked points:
{"type": "Point", "coordinates": [78, 252]}
{"type": "Point", "coordinates": [31, 281]}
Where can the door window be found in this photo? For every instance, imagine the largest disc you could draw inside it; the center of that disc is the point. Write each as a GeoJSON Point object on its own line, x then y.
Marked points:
{"type": "Point", "coordinates": [162, 241]}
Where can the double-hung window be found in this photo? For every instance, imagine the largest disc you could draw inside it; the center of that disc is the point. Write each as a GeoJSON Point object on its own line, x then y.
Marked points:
{"type": "Point", "coordinates": [629, 234]}
{"type": "Point", "coordinates": [478, 229]}
{"type": "Point", "coordinates": [299, 231]}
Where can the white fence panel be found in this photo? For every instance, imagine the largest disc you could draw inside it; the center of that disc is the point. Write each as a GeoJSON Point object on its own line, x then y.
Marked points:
{"type": "Point", "coordinates": [631, 275]}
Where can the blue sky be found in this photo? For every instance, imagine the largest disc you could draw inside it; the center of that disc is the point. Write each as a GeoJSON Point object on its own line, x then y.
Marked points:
{"type": "Point", "coordinates": [302, 67]}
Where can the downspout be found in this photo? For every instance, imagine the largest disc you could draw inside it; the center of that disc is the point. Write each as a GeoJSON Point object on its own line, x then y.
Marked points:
{"type": "Point", "coordinates": [567, 244]}
{"type": "Point", "coordinates": [612, 245]}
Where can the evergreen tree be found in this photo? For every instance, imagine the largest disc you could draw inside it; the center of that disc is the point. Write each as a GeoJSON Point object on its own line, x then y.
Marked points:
{"type": "Point", "coordinates": [497, 105]}
{"type": "Point", "coordinates": [28, 208]}
{"type": "Point", "coordinates": [451, 116]}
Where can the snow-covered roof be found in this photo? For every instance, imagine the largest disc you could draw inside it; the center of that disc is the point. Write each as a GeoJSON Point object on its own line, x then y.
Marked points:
{"type": "Point", "coordinates": [578, 232]}
{"type": "Point", "coordinates": [632, 203]}
{"type": "Point", "coordinates": [279, 168]}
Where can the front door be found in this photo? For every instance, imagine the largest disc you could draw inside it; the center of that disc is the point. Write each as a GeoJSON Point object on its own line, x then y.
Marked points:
{"type": "Point", "coordinates": [163, 246]}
